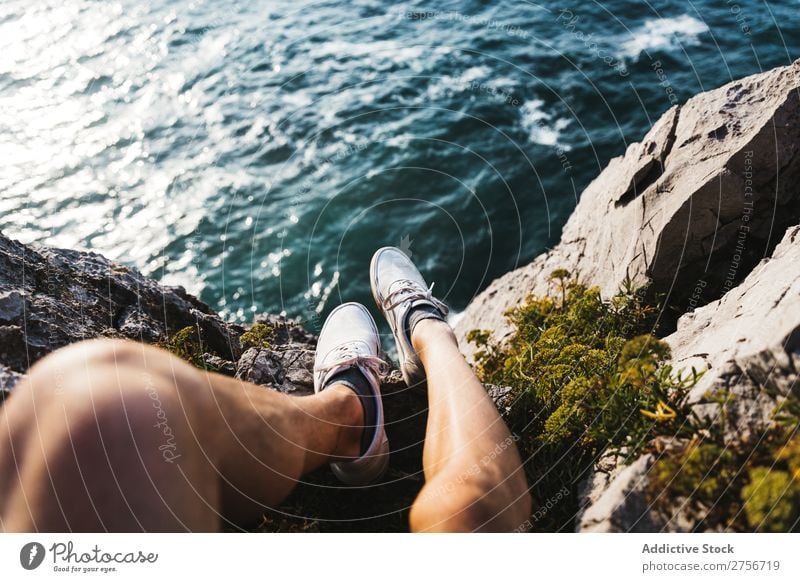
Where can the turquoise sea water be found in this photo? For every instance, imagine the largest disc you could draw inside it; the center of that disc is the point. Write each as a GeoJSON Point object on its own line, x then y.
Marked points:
{"type": "Point", "coordinates": [259, 152]}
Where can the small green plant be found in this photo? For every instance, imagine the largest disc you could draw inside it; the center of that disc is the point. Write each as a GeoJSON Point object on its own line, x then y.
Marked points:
{"type": "Point", "coordinates": [736, 486]}
{"type": "Point", "coordinates": [187, 344]}
{"type": "Point", "coordinates": [586, 376]}
{"type": "Point", "coordinates": [771, 500]}
{"type": "Point", "coordinates": [260, 335]}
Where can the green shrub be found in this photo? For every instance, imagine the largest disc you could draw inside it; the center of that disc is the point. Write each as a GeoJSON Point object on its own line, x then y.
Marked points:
{"type": "Point", "coordinates": [771, 501]}
{"type": "Point", "coordinates": [586, 376]}
{"type": "Point", "coordinates": [696, 479]}
{"type": "Point", "coordinates": [260, 335]}
{"type": "Point", "coordinates": [736, 486]}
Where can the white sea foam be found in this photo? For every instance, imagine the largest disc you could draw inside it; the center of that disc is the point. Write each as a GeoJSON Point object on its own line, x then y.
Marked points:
{"type": "Point", "coordinates": [664, 34]}
{"type": "Point", "coordinates": [540, 125]}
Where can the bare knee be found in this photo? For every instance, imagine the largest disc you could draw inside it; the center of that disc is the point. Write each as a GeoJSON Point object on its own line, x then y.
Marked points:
{"type": "Point", "coordinates": [115, 387]}
{"type": "Point", "coordinates": [95, 414]}
{"type": "Point", "coordinates": [92, 369]}
{"type": "Point", "coordinates": [466, 505]}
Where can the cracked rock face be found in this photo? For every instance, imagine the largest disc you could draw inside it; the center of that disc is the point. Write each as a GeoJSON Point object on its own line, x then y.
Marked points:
{"type": "Point", "coordinates": [748, 340]}
{"type": "Point", "coordinates": [287, 369]}
{"type": "Point", "coordinates": [691, 209]}
{"type": "Point", "coordinates": [747, 343]}
{"type": "Point", "coordinates": [53, 297]}
{"type": "Point", "coordinates": [705, 209]}
{"type": "Point", "coordinates": [616, 501]}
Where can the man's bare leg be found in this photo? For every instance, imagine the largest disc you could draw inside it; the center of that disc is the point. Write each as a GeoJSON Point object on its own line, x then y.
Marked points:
{"type": "Point", "coordinates": [119, 436]}
{"type": "Point", "coordinates": [474, 478]}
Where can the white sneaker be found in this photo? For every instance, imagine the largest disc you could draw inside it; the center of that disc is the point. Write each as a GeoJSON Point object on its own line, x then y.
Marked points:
{"type": "Point", "coordinates": [350, 339]}
{"type": "Point", "coordinates": [398, 287]}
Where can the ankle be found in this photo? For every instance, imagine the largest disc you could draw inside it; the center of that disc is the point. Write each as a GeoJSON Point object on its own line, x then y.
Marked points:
{"type": "Point", "coordinates": [429, 331]}
{"type": "Point", "coordinates": [350, 422]}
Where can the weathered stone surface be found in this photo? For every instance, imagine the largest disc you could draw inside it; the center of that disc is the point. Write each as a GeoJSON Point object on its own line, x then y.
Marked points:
{"type": "Point", "coordinates": [53, 297]}
{"type": "Point", "coordinates": [220, 365]}
{"type": "Point", "coordinates": [287, 330]}
{"type": "Point", "coordinates": [748, 341]}
{"type": "Point", "coordinates": [691, 209]}
{"type": "Point", "coordinates": [289, 369]}
{"type": "Point", "coordinates": [618, 500]}
{"type": "Point", "coordinates": [8, 379]}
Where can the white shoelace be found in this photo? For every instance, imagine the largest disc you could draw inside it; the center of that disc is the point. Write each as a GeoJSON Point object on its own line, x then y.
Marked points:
{"type": "Point", "coordinates": [347, 357]}
{"type": "Point", "coordinates": [411, 291]}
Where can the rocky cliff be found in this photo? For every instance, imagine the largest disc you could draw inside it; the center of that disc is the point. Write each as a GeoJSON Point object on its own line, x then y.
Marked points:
{"type": "Point", "coordinates": [704, 212]}
{"type": "Point", "coordinates": [689, 210]}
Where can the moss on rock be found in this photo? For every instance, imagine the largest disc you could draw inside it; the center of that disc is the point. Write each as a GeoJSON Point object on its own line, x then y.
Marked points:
{"type": "Point", "coordinates": [260, 335]}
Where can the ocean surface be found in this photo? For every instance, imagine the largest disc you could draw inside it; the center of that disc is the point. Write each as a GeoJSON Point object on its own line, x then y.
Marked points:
{"type": "Point", "coordinates": [259, 152]}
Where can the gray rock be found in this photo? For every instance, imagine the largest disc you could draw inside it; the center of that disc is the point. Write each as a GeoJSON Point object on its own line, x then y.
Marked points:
{"type": "Point", "coordinates": [287, 330]}
{"type": "Point", "coordinates": [53, 297]}
{"type": "Point", "coordinates": [220, 365]}
{"type": "Point", "coordinates": [618, 500]}
{"type": "Point", "coordinates": [696, 210]}
{"type": "Point", "coordinates": [691, 209]}
{"type": "Point", "coordinates": [605, 469]}
{"type": "Point", "coordinates": [747, 342]}
{"type": "Point", "coordinates": [287, 370]}
{"type": "Point", "coordinates": [8, 379]}
{"type": "Point", "coordinates": [12, 306]}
